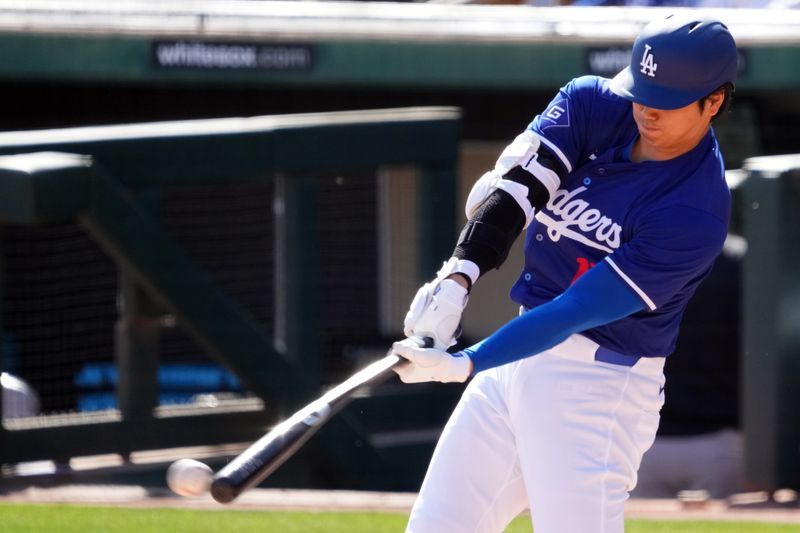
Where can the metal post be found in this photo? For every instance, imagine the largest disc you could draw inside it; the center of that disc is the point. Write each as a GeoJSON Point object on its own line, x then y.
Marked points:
{"type": "Point", "coordinates": [296, 282]}
{"type": "Point", "coordinates": [437, 200]}
{"type": "Point", "coordinates": [771, 323]}
{"type": "Point", "coordinates": [137, 337]}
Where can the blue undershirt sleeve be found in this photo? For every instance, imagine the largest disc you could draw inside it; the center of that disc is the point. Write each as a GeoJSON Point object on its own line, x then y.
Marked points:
{"type": "Point", "coordinates": [598, 297]}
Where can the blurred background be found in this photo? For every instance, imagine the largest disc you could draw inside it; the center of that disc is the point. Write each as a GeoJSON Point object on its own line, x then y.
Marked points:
{"type": "Point", "coordinates": [260, 187]}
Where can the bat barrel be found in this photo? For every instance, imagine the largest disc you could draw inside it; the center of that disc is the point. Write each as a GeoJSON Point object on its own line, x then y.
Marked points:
{"type": "Point", "coordinates": [258, 461]}
{"type": "Point", "coordinates": [263, 457]}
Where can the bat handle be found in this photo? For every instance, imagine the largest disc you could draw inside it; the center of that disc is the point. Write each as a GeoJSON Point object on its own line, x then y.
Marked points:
{"type": "Point", "coordinates": [424, 342]}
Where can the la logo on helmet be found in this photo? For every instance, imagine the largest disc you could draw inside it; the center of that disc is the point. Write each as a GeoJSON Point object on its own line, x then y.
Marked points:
{"type": "Point", "coordinates": [649, 66]}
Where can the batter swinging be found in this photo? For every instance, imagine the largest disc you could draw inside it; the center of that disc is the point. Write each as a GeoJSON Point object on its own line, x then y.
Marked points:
{"type": "Point", "coordinates": [620, 184]}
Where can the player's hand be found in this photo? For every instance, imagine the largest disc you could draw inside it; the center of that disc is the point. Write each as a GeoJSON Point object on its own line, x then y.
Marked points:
{"type": "Point", "coordinates": [436, 312]}
{"type": "Point", "coordinates": [430, 364]}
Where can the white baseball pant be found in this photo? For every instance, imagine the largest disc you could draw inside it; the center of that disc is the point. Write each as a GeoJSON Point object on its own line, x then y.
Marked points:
{"type": "Point", "coordinates": [560, 433]}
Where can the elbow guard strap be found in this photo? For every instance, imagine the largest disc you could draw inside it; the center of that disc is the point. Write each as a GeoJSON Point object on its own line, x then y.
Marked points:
{"type": "Point", "coordinates": [536, 194]}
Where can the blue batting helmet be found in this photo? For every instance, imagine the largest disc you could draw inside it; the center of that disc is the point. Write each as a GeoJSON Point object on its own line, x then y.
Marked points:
{"type": "Point", "coordinates": [678, 60]}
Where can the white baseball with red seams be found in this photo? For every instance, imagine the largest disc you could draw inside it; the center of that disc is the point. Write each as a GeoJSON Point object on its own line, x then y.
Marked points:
{"type": "Point", "coordinates": [189, 478]}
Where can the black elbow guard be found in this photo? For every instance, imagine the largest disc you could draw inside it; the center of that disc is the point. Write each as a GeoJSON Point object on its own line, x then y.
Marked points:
{"type": "Point", "coordinates": [488, 236]}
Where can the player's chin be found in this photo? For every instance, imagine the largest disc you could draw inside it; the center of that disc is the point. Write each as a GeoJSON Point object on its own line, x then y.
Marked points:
{"type": "Point", "coordinates": [654, 138]}
{"type": "Point", "coordinates": [650, 132]}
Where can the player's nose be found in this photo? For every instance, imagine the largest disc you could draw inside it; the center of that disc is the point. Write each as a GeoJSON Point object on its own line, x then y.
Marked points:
{"type": "Point", "coordinates": [650, 113]}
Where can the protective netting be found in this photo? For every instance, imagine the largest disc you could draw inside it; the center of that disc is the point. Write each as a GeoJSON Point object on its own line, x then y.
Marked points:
{"type": "Point", "coordinates": [59, 288]}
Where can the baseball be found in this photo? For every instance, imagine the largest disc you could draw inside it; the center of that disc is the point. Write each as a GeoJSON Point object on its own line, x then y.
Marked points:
{"type": "Point", "coordinates": [188, 477]}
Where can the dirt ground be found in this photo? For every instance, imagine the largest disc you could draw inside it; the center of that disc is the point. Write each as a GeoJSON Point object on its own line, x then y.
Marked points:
{"type": "Point", "coordinates": [753, 509]}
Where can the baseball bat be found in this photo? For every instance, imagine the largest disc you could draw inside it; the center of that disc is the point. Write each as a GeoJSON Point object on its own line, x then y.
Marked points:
{"type": "Point", "coordinates": [264, 456]}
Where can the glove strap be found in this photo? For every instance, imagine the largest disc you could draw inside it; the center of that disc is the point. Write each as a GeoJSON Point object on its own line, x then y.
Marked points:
{"type": "Point", "coordinates": [455, 265]}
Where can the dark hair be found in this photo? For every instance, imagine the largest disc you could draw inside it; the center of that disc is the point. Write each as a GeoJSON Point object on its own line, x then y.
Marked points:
{"type": "Point", "coordinates": [727, 89]}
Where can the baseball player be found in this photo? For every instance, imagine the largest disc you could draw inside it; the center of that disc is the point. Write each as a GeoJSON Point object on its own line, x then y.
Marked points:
{"type": "Point", "coordinates": [620, 187]}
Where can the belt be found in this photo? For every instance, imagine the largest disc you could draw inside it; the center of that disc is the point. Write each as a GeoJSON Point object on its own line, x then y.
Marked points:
{"type": "Point", "coordinates": [582, 348]}
{"type": "Point", "coordinates": [615, 358]}
{"type": "Point", "coordinates": [579, 347]}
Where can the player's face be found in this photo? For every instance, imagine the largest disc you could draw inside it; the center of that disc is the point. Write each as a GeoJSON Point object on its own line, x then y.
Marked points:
{"type": "Point", "coordinates": [666, 134]}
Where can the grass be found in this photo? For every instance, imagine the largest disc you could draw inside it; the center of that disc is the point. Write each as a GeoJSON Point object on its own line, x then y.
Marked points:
{"type": "Point", "coordinates": [40, 518]}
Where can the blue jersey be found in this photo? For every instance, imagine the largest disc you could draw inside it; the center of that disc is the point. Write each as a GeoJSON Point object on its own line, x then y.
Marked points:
{"type": "Point", "coordinates": [659, 224]}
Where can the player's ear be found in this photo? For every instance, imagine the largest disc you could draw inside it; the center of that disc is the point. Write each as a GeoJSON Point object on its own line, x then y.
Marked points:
{"type": "Point", "coordinates": [717, 102]}
{"type": "Point", "coordinates": [714, 101]}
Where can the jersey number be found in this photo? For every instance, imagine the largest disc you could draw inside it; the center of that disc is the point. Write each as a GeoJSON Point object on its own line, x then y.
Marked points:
{"type": "Point", "coordinates": [583, 266]}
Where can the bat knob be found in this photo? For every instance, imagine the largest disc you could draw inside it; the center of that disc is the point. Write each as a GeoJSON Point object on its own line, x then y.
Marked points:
{"type": "Point", "coordinates": [223, 491]}
{"type": "Point", "coordinates": [423, 342]}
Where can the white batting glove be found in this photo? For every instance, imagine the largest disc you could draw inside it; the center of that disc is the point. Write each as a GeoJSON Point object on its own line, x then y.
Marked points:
{"type": "Point", "coordinates": [436, 310]}
{"type": "Point", "coordinates": [430, 364]}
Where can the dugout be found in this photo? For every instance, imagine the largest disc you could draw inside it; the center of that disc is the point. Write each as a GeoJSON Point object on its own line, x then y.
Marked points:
{"type": "Point", "coordinates": [108, 188]}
